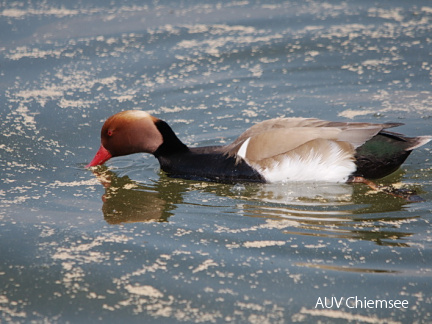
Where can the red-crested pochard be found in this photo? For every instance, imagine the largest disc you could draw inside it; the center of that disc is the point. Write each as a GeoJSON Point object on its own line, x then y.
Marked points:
{"type": "Point", "coordinates": [280, 149]}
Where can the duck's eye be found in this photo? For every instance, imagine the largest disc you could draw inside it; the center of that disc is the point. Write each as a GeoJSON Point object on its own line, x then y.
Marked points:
{"type": "Point", "coordinates": [109, 132]}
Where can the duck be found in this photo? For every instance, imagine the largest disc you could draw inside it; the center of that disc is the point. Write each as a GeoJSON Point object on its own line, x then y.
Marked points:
{"type": "Point", "coordinates": [274, 150]}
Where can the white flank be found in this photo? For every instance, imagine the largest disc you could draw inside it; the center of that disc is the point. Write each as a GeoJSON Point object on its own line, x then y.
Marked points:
{"type": "Point", "coordinates": [334, 167]}
{"type": "Point", "coordinates": [243, 149]}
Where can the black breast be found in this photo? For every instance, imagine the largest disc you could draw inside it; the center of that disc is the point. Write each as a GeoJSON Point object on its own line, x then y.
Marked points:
{"type": "Point", "coordinates": [206, 163]}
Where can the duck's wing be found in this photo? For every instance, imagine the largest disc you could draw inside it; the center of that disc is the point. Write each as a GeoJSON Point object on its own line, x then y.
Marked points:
{"type": "Point", "coordinates": [274, 137]}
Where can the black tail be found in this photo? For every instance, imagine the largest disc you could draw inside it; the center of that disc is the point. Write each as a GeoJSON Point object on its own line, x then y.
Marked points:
{"type": "Point", "coordinates": [384, 153]}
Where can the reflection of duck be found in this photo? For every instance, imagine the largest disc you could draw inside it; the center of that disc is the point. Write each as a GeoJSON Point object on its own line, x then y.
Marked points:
{"type": "Point", "coordinates": [317, 200]}
{"type": "Point", "coordinates": [282, 149]}
{"type": "Point", "coordinates": [326, 210]}
{"type": "Point", "coordinates": [126, 201]}
{"type": "Point", "coordinates": [335, 211]}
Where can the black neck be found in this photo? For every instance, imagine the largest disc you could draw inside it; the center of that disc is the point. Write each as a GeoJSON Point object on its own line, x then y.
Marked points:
{"type": "Point", "coordinates": [171, 143]}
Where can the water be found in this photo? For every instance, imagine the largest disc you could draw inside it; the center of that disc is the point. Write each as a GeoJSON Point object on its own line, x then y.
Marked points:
{"type": "Point", "coordinates": [128, 243]}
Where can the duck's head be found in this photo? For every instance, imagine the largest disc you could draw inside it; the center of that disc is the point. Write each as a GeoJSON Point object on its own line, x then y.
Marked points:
{"type": "Point", "coordinates": [127, 132]}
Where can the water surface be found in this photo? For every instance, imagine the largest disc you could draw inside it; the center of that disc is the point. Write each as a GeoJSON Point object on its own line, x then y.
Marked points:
{"type": "Point", "coordinates": [125, 242]}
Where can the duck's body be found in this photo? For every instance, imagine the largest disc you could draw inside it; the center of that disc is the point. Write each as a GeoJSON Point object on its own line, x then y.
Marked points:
{"type": "Point", "coordinates": [197, 165]}
{"type": "Point", "coordinates": [281, 149]}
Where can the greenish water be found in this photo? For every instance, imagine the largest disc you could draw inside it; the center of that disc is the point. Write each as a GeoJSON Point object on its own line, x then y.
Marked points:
{"type": "Point", "coordinates": [127, 243]}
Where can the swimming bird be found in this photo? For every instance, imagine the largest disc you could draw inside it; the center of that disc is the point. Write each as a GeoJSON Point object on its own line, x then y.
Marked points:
{"type": "Point", "coordinates": [275, 150]}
